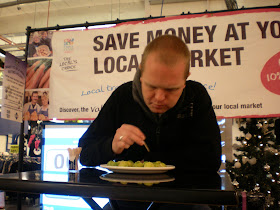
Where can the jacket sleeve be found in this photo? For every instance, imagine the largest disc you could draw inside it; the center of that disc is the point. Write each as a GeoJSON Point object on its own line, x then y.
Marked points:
{"type": "Point", "coordinates": [203, 144]}
{"type": "Point", "coordinates": [96, 142]}
{"type": "Point", "coordinates": [207, 131]}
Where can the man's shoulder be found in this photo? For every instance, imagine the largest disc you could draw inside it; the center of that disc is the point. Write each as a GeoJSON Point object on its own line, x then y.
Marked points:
{"type": "Point", "coordinates": [124, 90]}
{"type": "Point", "coordinates": [194, 86]}
{"type": "Point", "coordinates": [27, 103]}
{"type": "Point", "coordinates": [121, 95]}
{"type": "Point", "coordinates": [193, 83]}
{"type": "Point", "coordinates": [125, 87]}
{"type": "Point", "coordinates": [195, 89]}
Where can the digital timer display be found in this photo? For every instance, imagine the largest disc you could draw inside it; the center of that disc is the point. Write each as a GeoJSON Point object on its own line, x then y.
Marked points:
{"type": "Point", "coordinates": [55, 158]}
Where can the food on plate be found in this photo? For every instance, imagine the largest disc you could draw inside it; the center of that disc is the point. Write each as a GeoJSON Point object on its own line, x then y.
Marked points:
{"type": "Point", "coordinates": [148, 164]}
{"type": "Point", "coordinates": [112, 163]}
{"type": "Point", "coordinates": [138, 164]}
{"type": "Point", "coordinates": [123, 163]}
{"type": "Point", "coordinates": [159, 164]}
{"type": "Point", "coordinates": [129, 163]}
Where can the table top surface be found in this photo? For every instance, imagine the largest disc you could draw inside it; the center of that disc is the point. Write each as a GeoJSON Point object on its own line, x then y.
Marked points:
{"type": "Point", "coordinates": [172, 186]}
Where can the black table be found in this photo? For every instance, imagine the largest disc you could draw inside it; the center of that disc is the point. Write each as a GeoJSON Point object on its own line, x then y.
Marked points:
{"type": "Point", "coordinates": [171, 187]}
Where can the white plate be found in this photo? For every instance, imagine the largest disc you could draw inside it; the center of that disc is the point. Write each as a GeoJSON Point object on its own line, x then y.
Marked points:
{"type": "Point", "coordinates": [138, 170]}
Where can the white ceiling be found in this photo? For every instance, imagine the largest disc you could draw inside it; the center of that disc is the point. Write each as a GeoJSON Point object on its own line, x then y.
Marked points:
{"type": "Point", "coordinates": [16, 15]}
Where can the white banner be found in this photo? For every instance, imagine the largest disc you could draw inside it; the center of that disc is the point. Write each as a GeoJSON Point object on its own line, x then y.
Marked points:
{"type": "Point", "coordinates": [13, 88]}
{"type": "Point", "coordinates": [235, 55]}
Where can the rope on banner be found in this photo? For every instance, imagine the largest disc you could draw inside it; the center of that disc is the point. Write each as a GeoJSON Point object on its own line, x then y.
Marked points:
{"type": "Point", "coordinates": [161, 7]}
{"type": "Point", "coordinates": [48, 13]}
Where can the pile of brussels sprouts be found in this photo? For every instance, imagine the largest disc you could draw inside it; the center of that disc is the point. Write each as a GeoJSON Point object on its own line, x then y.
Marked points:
{"type": "Point", "coordinates": [129, 163]}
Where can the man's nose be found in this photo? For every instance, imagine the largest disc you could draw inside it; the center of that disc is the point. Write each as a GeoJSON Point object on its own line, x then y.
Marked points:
{"type": "Point", "coordinates": [160, 95]}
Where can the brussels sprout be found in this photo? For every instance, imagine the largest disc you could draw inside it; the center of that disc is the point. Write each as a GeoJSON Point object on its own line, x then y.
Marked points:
{"type": "Point", "coordinates": [138, 164]}
{"type": "Point", "coordinates": [148, 164]}
{"type": "Point", "coordinates": [159, 164]}
{"type": "Point", "coordinates": [112, 163]}
{"type": "Point", "coordinates": [130, 163]}
{"type": "Point", "coordinates": [123, 163]}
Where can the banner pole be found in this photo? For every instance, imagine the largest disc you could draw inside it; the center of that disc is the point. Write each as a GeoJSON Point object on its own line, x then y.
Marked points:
{"type": "Point", "coordinates": [21, 139]}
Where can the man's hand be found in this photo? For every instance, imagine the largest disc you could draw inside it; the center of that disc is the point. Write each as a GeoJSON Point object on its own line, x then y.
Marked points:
{"type": "Point", "coordinates": [126, 136]}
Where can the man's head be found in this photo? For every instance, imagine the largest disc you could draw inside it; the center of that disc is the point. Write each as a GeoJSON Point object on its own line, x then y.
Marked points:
{"type": "Point", "coordinates": [164, 70]}
{"type": "Point", "coordinates": [34, 97]}
{"type": "Point", "coordinates": [44, 34]}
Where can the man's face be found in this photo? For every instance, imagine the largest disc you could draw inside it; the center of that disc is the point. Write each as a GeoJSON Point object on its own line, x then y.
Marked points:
{"type": "Point", "coordinates": [44, 35]}
{"type": "Point", "coordinates": [36, 39]}
{"type": "Point", "coordinates": [162, 84]}
{"type": "Point", "coordinates": [34, 98]}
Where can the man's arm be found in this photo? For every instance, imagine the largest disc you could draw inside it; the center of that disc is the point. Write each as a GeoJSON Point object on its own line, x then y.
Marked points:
{"type": "Point", "coordinates": [205, 135]}
{"type": "Point", "coordinates": [209, 132]}
{"type": "Point", "coordinates": [96, 142]}
{"type": "Point", "coordinates": [108, 136]}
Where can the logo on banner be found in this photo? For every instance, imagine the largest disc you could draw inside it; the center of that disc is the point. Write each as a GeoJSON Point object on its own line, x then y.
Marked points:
{"type": "Point", "coordinates": [68, 45]}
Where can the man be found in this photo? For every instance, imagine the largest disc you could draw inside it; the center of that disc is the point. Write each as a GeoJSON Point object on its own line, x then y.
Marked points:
{"type": "Point", "coordinates": [45, 40]}
{"type": "Point", "coordinates": [174, 117]}
{"type": "Point", "coordinates": [32, 108]}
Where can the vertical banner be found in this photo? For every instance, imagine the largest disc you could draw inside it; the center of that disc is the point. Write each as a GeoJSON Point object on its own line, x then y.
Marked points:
{"type": "Point", "coordinates": [13, 88]}
{"type": "Point", "coordinates": [39, 62]}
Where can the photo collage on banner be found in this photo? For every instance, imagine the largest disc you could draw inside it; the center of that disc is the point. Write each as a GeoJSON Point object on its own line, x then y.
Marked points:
{"type": "Point", "coordinates": [37, 78]}
{"type": "Point", "coordinates": [36, 99]}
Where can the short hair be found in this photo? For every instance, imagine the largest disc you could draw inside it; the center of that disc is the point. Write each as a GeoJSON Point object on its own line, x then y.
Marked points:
{"type": "Point", "coordinates": [34, 92]}
{"type": "Point", "coordinates": [170, 48]}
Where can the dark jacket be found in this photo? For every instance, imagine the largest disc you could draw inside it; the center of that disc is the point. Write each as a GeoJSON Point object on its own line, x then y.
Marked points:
{"type": "Point", "coordinates": [186, 136]}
